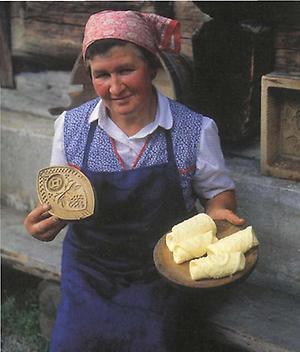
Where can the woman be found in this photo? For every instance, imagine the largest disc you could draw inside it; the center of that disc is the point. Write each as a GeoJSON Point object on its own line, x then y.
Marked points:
{"type": "Point", "coordinates": [148, 159]}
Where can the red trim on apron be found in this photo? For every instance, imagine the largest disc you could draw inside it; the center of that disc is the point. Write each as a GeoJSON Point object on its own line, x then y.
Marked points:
{"type": "Point", "coordinates": [121, 161]}
{"type": "Point", "coordinates": [191, 168]}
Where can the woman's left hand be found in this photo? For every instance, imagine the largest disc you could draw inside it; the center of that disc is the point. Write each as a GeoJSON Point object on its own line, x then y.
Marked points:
{"type": "Point", "coordinates": [226, 214]}
{"type": "Point", "coordinates": [222, 207]}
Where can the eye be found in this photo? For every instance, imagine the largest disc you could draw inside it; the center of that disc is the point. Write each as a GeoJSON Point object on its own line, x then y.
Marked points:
{"type": "Point", "coordinates": [101, 75]}
{"type": "Point", "coordinates": [126, 71]}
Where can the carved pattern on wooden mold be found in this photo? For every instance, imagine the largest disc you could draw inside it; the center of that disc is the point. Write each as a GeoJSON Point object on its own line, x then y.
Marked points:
{"type": "Point", "coordinates": [67, 190]}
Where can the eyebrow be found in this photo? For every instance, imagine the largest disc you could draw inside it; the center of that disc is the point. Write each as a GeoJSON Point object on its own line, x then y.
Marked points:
{"type": "Point", "coordinates": [97, 72]}
{"type": "Point", "coordinates": [118, 68]}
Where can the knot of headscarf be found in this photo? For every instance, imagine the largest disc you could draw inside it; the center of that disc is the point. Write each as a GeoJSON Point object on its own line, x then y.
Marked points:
{"type": "Point", "coordinates": [148, 30]}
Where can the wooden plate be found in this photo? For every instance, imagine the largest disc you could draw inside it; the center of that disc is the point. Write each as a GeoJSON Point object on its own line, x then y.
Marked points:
{"type": "Point", "coordinates": [179, 273]}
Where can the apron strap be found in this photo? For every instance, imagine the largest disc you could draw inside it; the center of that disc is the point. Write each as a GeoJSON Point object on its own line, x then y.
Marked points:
{"type": "Point", "coordinates": [170, 151]}
{"type": "Point", "coordinates": [88, 144]}
{"type": "Point", "coordinates": [93, 126]}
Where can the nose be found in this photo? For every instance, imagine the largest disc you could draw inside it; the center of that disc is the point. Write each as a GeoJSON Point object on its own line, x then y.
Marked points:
{"type": "Point", "coordinates": [116, 86]}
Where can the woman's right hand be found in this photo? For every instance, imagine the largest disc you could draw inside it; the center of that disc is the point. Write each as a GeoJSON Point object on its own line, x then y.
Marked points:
{"type": "Point", "coordinates": [42, 225]}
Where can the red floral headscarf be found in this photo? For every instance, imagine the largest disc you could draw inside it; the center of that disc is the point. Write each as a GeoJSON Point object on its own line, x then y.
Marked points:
{"type": "Point", "coordinates": [150, 31]}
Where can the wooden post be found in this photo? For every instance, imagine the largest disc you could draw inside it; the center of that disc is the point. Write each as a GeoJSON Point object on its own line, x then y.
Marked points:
{"type": "Point", "coordinates": [6, 66]}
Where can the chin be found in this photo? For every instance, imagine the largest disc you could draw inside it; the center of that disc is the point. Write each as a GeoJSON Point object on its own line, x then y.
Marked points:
{"type": "Point", "coordinates": [123, 110]}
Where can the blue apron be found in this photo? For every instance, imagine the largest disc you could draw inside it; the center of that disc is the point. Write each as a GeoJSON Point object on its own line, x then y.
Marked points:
{"type": "Point", "coordinates": [112, 297]}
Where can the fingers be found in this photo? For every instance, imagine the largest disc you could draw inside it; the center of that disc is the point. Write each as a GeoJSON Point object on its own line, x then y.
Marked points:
{"type": "Point", "coordinates": [48, 230]}
{"type": "Point", "coordinates": [42, 225]}
{"type": "Point", "coordinates": [36, 215]}
{"type": "Point", "coordinates": [226, 214]}
{"type": "Point", "coordinates": [46, 225]}
{"type": "Point", "coordinates": [234, 219]}
{"type": "Point", "coordinates": [39, 209]}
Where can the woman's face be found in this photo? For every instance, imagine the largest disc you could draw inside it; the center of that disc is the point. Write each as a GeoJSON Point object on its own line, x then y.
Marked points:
{"type": "Point", "coordinates": [123, 79]}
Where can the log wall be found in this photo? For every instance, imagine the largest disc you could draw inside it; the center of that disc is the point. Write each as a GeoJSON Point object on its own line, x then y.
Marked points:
{"type": "Point", "coordinates": [287, 49]}
{"type": "Point", "coordinates": [50, 33]}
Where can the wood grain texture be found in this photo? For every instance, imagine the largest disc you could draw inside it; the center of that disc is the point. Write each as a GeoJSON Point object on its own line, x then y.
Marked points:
{"type": "Point", "coordinates": [52, 31]}
{"type": "Point", "coordinates": [6, 66]}
{"type": "Point", "coordinates": [67, 190]}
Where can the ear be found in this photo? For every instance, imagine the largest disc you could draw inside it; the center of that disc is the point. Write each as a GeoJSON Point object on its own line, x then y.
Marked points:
{"type": "Point", "coordinates": [89, 71]}
{"type": "Point", "coordinates": [87, 68]}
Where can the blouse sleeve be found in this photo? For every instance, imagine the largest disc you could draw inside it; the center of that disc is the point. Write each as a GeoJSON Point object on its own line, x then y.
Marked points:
{"type": "Point", "coordinates": [58, 149]}
{"type": "Point", "coordinates": [211, 175]}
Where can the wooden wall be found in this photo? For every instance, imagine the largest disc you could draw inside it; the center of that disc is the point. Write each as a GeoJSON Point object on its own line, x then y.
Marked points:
{"type": "Point", "coordinates": [49, 33]}
{"type": "Point", "coordinates": [287, 48]}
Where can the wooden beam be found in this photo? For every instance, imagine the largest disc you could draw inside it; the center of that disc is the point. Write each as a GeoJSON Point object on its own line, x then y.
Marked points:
{"type": "Point", "coordinates": [48, 32]}
{"type": "Point", "coordinates": [6, 66]}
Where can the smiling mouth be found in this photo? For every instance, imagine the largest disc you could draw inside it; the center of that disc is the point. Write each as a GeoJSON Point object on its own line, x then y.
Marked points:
{"type": "Point", "coordinates": [120, 99]}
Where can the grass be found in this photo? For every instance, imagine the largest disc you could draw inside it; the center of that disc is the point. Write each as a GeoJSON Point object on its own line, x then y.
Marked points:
{"type": "Point", "coordinates": [20, 313]}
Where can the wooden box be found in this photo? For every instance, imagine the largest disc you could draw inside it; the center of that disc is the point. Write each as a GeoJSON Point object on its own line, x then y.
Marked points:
{"type": "Point", "coordinates": [280, 126]}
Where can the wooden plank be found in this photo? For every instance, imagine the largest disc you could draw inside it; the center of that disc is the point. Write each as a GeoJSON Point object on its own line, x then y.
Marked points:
{"type": "Point", "coordinates": [255, 318]}
{"type": "Point", "coordinates": [6, 67]}
{"type": "Point", "coordinates": [50, 31]}
{"type": "Point", "coordinates": [287, 49]}
{"type": "Point", "coordinates": [25, 253]}
{"type": "Point", "coordinates": [287, 37]}
{"type": "Point", "coordinates": [287, 61]}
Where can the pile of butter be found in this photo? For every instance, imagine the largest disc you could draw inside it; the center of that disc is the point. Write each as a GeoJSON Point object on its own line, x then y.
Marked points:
{"type": "Point", "coordinates": [196, 237]}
